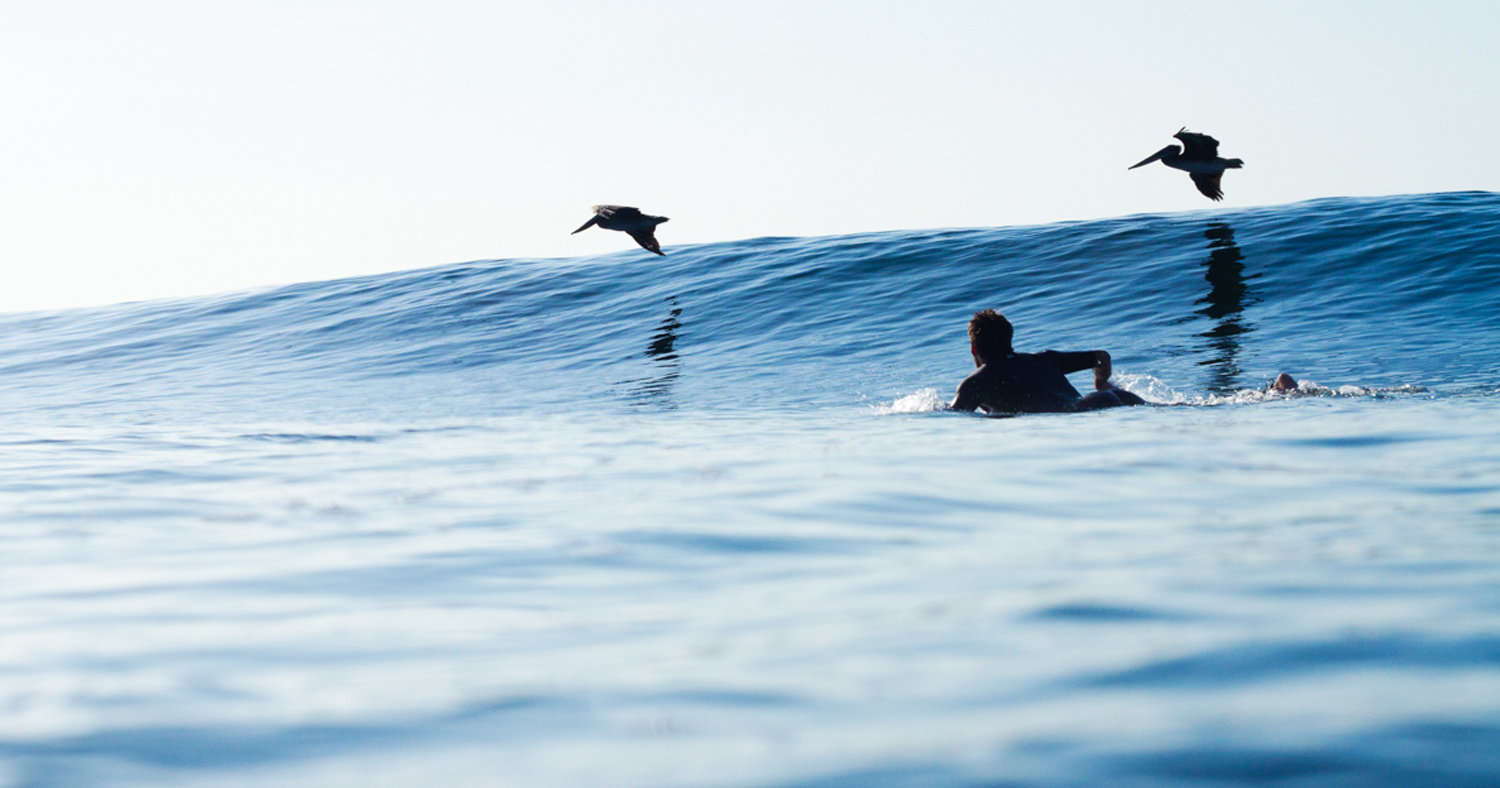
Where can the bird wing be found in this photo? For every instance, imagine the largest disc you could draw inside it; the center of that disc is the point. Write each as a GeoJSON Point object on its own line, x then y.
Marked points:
{"type": "Point", "coordinates": [1208, 183]}
{"type": "Point", "coordinates": [586, 225]}
{"type": "Point", "coordinates": [1198, 147]}
{"type": "Point", "coordinates": [646, 237]}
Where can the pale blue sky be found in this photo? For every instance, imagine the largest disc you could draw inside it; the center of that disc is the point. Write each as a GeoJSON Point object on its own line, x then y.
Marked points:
{"type": "Point", "coordinates": [157, 149]}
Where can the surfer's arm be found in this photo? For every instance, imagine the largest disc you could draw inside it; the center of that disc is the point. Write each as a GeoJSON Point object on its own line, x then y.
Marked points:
{"type": "Point", "coordinates": [1080, 360]}
{"type": "Point", "coordinates": [967, 398]}
{"type": "Point", "coordinates": [1102, 371]}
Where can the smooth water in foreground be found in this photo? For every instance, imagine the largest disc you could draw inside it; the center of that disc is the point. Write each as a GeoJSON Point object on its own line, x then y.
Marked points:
{"type": "Point", "coordinates": [318, 536]}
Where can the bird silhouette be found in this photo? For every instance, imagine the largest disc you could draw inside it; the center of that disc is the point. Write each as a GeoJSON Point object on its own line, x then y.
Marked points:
{"type": "Point", "coordinates": [640, 226]}
{"type": "Point", "coordinates": [1199, 158]}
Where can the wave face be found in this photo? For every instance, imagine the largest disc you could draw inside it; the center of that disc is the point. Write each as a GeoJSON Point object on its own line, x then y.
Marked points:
{"type": "Point", "coordinates": [703, 520]}
{"type": "Point", "coordinates": [1371, 292]}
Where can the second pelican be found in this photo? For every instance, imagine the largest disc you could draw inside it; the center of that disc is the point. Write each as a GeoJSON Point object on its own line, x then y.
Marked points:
{"type": "Point", "coordinates": [1199, 158]}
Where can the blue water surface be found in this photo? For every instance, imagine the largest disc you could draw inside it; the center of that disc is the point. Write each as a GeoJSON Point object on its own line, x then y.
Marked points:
{"type": "Point", "coordinates": [702, 521]}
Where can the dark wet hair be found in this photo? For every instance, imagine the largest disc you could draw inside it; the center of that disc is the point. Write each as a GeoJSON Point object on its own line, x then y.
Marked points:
{"type": "Point", "coordinates": [990, 332]}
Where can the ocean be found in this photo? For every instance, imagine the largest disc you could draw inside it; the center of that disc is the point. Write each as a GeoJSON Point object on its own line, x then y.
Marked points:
{"type": "Point", "coordinates": [704, 520]}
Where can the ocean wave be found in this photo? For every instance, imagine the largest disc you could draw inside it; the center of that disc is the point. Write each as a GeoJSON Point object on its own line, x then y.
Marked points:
{"type": "Point", "coordinates": [1375, 293]}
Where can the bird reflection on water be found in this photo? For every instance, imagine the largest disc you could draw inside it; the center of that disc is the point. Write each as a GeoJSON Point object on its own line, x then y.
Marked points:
{"type": "Point", "coordinates": [657, 389]}
{"type": "Point", "coordinates": [1228, 295]}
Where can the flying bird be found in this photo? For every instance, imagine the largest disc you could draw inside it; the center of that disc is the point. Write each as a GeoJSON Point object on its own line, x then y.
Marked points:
{"type": "Point", "coordinates": [1199, 158]}
{"type": "Point", "coordinates": [630, 220]}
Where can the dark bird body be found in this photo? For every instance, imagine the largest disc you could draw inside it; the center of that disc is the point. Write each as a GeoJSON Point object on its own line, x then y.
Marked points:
{"type": "Point", "coordinates": [1199, 158]}
{"type": "Point", "coordinates": [640, 226]}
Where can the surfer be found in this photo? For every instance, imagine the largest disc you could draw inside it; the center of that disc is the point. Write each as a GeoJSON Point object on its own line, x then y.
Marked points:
{"type": "Point", "coordinates": [1011, 382]}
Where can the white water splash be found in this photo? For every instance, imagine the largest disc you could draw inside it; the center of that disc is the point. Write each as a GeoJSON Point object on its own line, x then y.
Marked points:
{"type": "Point", "coordinates": [920, 401]}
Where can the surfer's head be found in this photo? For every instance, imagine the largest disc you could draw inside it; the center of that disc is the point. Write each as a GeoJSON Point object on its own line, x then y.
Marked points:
{"type": "Point", "coordinates": [989, 335]}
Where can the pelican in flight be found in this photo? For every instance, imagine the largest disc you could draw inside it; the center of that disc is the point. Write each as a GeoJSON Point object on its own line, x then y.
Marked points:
{"type": "Point", "coordinates": [630, 220]}
{"type": "Point", "coordinates": [1199, 158]}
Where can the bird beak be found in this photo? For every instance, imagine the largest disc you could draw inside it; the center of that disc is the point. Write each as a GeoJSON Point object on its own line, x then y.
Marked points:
{"type": "Point", "coordinates": [586, 225]}
{"type": "Point", "coordinates": [1154, 157]}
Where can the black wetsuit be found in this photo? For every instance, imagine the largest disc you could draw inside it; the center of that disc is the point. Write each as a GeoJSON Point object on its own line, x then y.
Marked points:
{"type": "Point", "coordinates": [1035, 383]}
